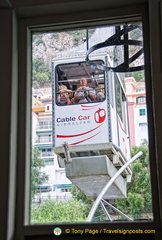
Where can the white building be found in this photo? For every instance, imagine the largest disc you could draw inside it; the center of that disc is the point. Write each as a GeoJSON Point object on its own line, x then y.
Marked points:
{"type": "Point", "coordinates": [57, 186]}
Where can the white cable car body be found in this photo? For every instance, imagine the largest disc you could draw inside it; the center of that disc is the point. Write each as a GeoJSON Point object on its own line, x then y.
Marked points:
{"type": "Point", "coordinates": [96, 122]}
{"type": "Point", "coordinates": [91, 128]}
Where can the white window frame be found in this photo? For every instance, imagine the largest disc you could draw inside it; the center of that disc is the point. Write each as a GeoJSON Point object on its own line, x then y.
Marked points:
{"type": "Point", "coordinates": [143, 126]}
{"type": "Point", "coordinates": [26, 26]}
{"type": "Point", "coordinates": [141, 99]}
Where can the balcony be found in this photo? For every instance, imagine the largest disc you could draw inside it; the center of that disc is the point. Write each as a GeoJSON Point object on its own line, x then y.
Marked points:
{"type": "Point", "coordinates": [44, 126]}
{"type": "Point", "coordinates": [47, 154]}
{"type": "Point", "coordinates": [47, 139]}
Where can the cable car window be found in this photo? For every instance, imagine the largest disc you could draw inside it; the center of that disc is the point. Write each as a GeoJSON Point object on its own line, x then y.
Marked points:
{"type": "Point", "coordinates": [79, 82]}
{"type": "Point", "coordinates": [119, 98]}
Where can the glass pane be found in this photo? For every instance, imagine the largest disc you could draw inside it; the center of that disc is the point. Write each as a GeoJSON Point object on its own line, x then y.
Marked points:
{"type": "Point", "coordinates": [89, 111]}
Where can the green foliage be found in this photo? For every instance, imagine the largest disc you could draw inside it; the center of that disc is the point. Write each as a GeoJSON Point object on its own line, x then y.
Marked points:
{"type": "Point", "coordinates": [78, 195]}
{"type": "Point", "coordinates": [80, 34]}
{"type": "Point", "coordinates": [138, 75]}
{"type": "Point", "coordinates": [50, 211]}
{"type": "Point", "coordinates": [139, 189]}
{"type": "Point", "coordinates": [39, 41]}
{"type": "Point", "coordinates": [99, 215]}
{"type": "Point", "coordinates": [41, 73]}
{"type": "Point", "coordinates": [42, 78]}
{"type": "Point", "coordinates": [37, 176]}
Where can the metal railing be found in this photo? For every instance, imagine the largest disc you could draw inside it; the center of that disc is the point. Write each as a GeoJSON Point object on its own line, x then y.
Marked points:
{"type": "Point", "coordinates": [43, 140]}
{"type": "Point", "coordinates": [44, 126]}
{"type": "Point", "coordinates": [46, 154]}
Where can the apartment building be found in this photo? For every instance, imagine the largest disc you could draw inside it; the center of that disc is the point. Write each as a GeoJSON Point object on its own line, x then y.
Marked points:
{"type": "Point", "coordinates": [57, 186]}
{"type": "Point", "coordinates": [137, 111]}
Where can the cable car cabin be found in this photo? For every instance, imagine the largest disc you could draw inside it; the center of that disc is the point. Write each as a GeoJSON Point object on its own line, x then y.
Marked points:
{"type": "Point", "coordinates": [90, 111]}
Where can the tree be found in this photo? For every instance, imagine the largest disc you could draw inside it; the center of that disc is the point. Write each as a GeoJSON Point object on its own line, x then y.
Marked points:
{"type": "Point", "coordinates": [41, 73]}
{"type": "Point", "coordinates": [138, 198]}
{"type": "Point", "coordinates": [78, 195]}
{"type": "Point", "coordinates": [50, 211]}
{"type": "Point", "coordinates": [37, 176]}
{"type": "Point", "coordinates": [138, 75]}
{"type": "Point", "coordinates": [99, 215]}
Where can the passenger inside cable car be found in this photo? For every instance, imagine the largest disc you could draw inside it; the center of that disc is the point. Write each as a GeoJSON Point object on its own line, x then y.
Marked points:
{"type": "Point", "coordinates": [100, 92]}
{"type": "Point", "coordinates": [84, 93]}
{"type": "Point", "coordinates": [63, 95]}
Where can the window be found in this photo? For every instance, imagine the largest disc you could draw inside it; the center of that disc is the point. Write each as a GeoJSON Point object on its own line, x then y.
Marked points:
{"type": "Point", "coordinates": [43, 139]}
{"type": "Point", "coordinates": [44, 125]}
{"type": "Point", "coordinates": [21, 197]}
{"type": "Point", "coordinates": [78, 82]}
{"type": "Point", "coordinates": [143, 126]}
{"type": "Point", "coordinates": [142, 112]}
{"type": "Point", "coordinates": [44, 188]}
{"type": "Point", "coordinates": [78, 114]}
{"type": "Point", "coordinates": [48, 162]}
{"type": "Point", "coordinates": [49, 108]}
{"type": "Point", "coordinates": [119, 98]}
{"type": "Point", "coordinates": [45, 152]}
{"type": "Point", "coordinates": [141, 100]}
{"type": "Point", "coordinates": [65, 189]}
{"type": "Point", "coordinates": [140, 90]}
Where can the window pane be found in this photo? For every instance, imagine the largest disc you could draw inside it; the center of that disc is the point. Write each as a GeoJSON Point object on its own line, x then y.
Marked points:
{"type": "Point", "coordinates": [141, 100]}
{"type": "Point", "coordinates": [118, 98]}
{"type": "Point", "coordinates": [89, 118]}
{"type": "Point", "coordinates": [78, 86]}
{"type": "Point", "coordinates": [142, 112]}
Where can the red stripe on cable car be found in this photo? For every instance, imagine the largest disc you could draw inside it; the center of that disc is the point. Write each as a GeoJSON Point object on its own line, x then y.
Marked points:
{"type": "Point", "coordinates": [65, 136]}
{"type": "Point", "coordinates": [84, 139]}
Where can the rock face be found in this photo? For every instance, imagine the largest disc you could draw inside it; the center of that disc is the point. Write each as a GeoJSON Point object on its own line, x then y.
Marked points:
{"type": "Point", "coordinates": [46, 46]}
{"type": "Point", "coordinates": [49, 46]}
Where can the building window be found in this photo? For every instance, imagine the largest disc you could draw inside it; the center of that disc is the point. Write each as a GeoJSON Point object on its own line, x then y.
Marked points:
{"type": "Point", "coordinates": [43, 139]}
{"type": "Point", "coordinates": [44, 188]}
{"type": "Point", "coordinates": [65, 189]}
{"type": "Point", "coordinates": [46, 152]}
{"type": "Point", "coordinates": [48, 162]}
{"type": "Point", "coordinates": [142, 112]}
{"type": "Point", "coordinates": [140, 90]}
{"type": "Point", "coordinates": [143, 126]}
{"type": "Point", "coordinates": [141, 100]}
{"type": "Point", "coordinates": [49, 108]}
{"type": "Point", "coordinates": [44, 125]}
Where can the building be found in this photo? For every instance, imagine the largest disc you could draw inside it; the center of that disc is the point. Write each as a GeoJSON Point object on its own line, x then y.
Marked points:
{"type": "Point", "coordinates": [137, 111]}
{"type": "Point", "coordinates": [57, 186]}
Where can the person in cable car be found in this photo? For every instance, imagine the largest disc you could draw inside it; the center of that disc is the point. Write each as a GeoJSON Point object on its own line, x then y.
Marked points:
{"type": "Point", "coordinates": [63, 95]}
{"type": "Point", "coordinates": [84, 93]}
{"type": "Point", "coordinates": [100, 92]}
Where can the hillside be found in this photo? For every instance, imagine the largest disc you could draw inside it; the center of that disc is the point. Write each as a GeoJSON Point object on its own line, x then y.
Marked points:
{"type": "Point", "coordinates": [48, 46]}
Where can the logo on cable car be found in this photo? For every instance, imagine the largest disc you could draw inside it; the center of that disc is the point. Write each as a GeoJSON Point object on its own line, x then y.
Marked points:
{"type": "Point", "coordinates": [100, 115]}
